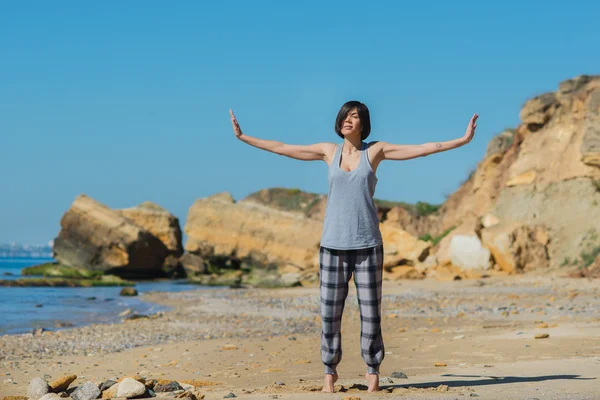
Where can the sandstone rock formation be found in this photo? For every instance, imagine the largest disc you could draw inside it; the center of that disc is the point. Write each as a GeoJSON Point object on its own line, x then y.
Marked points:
{"type": "Point", "coordinates": [94, 237]}
{"type": "Point", "coordinates": [516, 247]}
{"type": "Point", "coordinates": [247, 229]}
{"type": "Point", "coordinates": [159, 222]}
{"type": "Point", "coordinates": [548, 175]}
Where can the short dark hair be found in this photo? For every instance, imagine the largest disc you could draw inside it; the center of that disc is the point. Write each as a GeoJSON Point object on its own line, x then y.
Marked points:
{"type": "Point", "coordinates": [363, 115]}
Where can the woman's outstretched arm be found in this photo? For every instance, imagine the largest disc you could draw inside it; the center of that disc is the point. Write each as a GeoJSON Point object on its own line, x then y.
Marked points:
{"type": "Point", "coordinates": [311, 152]}
{"type": "Point", "coordinates": [389, 151]}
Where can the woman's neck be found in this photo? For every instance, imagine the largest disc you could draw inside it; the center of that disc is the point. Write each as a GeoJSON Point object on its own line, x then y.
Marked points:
{"type": "Point", "coordinates": [352, 145]}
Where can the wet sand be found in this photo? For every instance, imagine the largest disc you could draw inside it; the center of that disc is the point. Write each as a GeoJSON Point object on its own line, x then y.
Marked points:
{"type": "Point", "coordinates": [472, 338]}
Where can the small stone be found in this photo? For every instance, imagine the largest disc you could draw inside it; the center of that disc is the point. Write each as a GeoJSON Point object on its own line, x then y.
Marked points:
{"type": "Point", "coordinates": [473, 395]}
{"type": "Point", "coordinates": [279, 383]}
{"type": "Point", "coordinates": [187, 396]}
{"type": "Point", "coordinates": [186, 386]}
{"type": "Point", "coordinates": [542, 336]}
{"type": "Point", "coordinates": [387, 381]}
{"type": "Point", "coordinates": [107, 384]}
{"type": "Point", "coordinates": [129, 387]}
{"type": "Point", "coordinates": [399, 375]}
{"type": "Point", "coordinates": [50, 396]}
{"type": "Point", "coordinates": [62, 384]}
{"type": "Point", "coordinates": [128, 291]}
{"type": "Point", "coordinates": [229, 347]}
{"type": "Point", "coordinates": [292, 338]}
{"type": "Point", "coordinates": [229, 396]}
{"type": "Point", "coordinates": [87, 391]}
{"type": "Point", "coordinates": [111, 391]}
{"type": "Point", "coordinates": [150, 383]}
{"type": "Point", "coordinates": [458, 337]}
{"type": "Point", "coordinates": [442, 388]}
{"type": "Point", "coordinates": [440, 364]}
{"type": "Point", "coordinates": [167, 387]}
{"type": "Point", "coordinates": [37, 388]}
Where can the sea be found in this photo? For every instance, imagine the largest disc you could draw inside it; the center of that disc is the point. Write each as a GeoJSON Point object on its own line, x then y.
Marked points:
{"type": "Point", "coordinates": [24, 309]}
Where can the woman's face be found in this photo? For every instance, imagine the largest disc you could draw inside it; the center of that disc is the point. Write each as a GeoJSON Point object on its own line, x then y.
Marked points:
{"type": "Point", "coordinates": [351, 124]}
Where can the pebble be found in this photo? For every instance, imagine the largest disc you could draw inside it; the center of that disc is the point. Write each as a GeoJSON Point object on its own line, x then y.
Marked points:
{"type": "Point", "coordinates": [399, 375]}
{"type": "Point", "coordinates": [128, 291]}
{"type": "Point", "coordinates": [229, 396]}
{"type": "Point", "coordinates": [38, 387]}
{"type": "Point", "coordinates": [167, 387]}
{"type": "Point", "coordinates": [542, 336]}
{"type": "Point", "coordinates": [458, 337]}
{"type": "Point", "coordinates": [129, 387]}
{"type": "Point", "coordinates": [107, 384]}
{"type": "Point", "coordinates": [50, 396]}
{"type": "Point", "coordinates": [88, 391]}
{"type": "Point", "coordinates": [62, 384]}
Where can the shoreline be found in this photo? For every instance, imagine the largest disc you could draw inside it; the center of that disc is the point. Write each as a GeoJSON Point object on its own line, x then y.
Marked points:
{"type": "Point", "coordinates": [248, 339]}
{"type": "Point", "coordinates": [60, 308]}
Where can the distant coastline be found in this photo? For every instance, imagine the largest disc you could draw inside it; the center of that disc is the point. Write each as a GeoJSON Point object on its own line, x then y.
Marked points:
{"type": "Point", "coordinates": [25, 251]}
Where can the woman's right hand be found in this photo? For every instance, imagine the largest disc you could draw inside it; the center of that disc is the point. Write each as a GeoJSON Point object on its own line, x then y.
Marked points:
{"type": "Point", "coordinates": [236, 126]}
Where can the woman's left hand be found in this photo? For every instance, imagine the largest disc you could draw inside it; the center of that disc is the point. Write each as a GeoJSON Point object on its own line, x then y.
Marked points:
{"type": "Point", "coordinates": [471, 129]}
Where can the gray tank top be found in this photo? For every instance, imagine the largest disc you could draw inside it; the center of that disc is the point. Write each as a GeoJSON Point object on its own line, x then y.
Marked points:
{"type": "Point", "coordinates": [351, 220]}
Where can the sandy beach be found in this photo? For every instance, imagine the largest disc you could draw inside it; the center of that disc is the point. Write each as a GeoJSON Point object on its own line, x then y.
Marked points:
{"type": "Point", "coordinates": [452, 340]}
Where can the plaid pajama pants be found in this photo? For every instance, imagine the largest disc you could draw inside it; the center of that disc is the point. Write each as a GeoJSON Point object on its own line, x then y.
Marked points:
{"type": "Point", "coordinates": [336, 268]}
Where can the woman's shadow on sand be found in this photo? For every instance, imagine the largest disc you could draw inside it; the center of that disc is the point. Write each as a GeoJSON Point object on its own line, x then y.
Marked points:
{"type": "Point", "coordinates": [486, 380]}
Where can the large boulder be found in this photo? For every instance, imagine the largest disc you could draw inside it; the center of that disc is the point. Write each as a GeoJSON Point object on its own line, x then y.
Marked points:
{"type": "Point", "coordinates": [400, 247]}
{"type": "Point", "coordinates": [516, 247]}
{"type": "Point", "coordinates": [94, 237]}
{"type": "Point", "coordinates": [248, 229]}
{"type": "Point", "coordinates": [159, 222]}
{"type": "Point", "coordinates": [193, 264]}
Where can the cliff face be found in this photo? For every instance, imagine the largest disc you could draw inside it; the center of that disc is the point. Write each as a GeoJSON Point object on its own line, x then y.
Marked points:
{"type": "Point", "coordinates": [532, 203]}
{"type": "Point", "coordinates": [544, 173]}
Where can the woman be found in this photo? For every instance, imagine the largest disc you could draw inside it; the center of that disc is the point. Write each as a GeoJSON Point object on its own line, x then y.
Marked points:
{"type": "Point", "coordinates": [351, 242]}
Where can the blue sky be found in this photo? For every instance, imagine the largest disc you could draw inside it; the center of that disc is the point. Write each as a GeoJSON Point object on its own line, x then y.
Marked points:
{"type": "Point", "coordinates": [128, 101]}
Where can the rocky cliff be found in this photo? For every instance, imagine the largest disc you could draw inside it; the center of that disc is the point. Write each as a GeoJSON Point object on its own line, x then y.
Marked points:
{"type": "Point", "coordinates": [544, 174]}
{"type": "Point", "coordinates": [533, 203]}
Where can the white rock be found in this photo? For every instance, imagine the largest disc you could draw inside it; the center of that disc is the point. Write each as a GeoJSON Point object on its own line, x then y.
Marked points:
{"type": "Point", "coordinates": [467, 252]}
{"type": "Point", "coordinates": [489, 220]}
{"type": "Point", "coordinates": [38, 387]}
{"type": "Point", "coordinates": [129, 387]}
{"type": "Point", "coordinates": [186, 386]}
{"type": "Point", "coordinates": [50, 396]}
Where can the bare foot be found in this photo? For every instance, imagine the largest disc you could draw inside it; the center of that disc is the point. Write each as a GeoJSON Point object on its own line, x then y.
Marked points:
{"type": "Point", "coordinates": [373, 382]}
{"type": "Point", "coordinates": [328, 382]}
